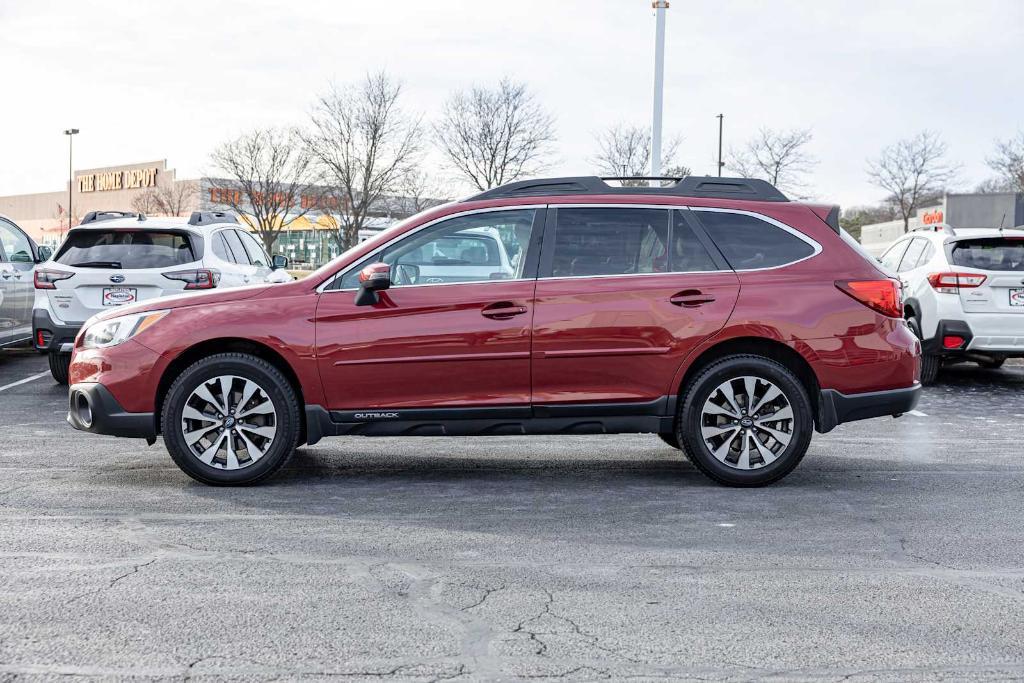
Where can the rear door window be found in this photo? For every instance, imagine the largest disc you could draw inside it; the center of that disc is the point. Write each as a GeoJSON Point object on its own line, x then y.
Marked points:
{"type": "Point", "coordinates": [892, 256]}
{"type": "Point", "coordinates": [750, 243]}
{"type": "Point", "coordinates": [912, 255]}
{"type": "Point", "coordinates": [125, 249]}
{"type": "Point", "coordinates": [610, 241]}
{"type": "Point", "coordinates": [235, 247]}
{"type": "Point", "coordinates": [998, 253]}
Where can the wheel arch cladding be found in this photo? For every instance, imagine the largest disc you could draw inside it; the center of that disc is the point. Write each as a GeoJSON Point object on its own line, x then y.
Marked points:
{"type": "Point", "coordinates": [759, 346]}
{"type": "Point", "coordinates": [210, 347]}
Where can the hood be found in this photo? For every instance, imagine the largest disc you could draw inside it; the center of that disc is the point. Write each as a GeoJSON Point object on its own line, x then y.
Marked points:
{"type": "Point", "coordinates": [214, 296]}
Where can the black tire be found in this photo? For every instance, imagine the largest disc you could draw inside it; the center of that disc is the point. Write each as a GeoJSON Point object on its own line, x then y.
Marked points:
{"type": "Point", "coordinates": [930, 363]}
{"type": "Point", "coordinates": [270, 380]}
{"type": "Point", "coordinates": [60, 364]}
{"type": "Point", "coordinates": [700, 388]}
{"type": "Point", "coordinates": [670, 439]}
{"type": "Point", "coordinates": [993, 364]}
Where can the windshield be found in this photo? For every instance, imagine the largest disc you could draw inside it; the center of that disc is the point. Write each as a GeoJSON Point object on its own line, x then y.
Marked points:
{"type": "Point", "coordinates": [125, 249]}
{"type": "Point", "coordinates": [996, 253]}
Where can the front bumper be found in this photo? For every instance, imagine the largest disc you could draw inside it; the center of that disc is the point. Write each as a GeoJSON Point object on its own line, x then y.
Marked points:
{"type": "Point", "coordinates": [57, 337]}
{"type": "Point", "coordinates": [835, 407]}
{"type": "Point", "coordinates": [92, 408]}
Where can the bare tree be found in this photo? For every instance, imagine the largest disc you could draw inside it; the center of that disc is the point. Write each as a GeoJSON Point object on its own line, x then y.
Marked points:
{"type": "Point", "coordinates": [778, 156]}
{"type": "Point", "coordinates": [174, 199]}
{"type": "Point", "coordinates": [269, 171]}
{"type": "Point", "coordinates": [625, 150]}
{"type": "Point", "coordinates": [1008, 162]}
{"type": "Point", "coordinates": [421, 190]}
{"type": "Point", "coordinates": [495, 136]}
{"type": "Point", "coordinates": [913, 171]}
{"type": "Point", "coordinates": [364, 145]}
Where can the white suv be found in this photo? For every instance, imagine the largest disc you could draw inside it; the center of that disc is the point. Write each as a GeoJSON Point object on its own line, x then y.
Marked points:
{"type": "Point", "coordinates": [115, 258]}
{"type": "Point", "coordinates": [963, 293]}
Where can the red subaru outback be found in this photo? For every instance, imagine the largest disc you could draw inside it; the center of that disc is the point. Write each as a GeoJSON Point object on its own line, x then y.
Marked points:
{"type": "Point", "coordinates": [712, 312]}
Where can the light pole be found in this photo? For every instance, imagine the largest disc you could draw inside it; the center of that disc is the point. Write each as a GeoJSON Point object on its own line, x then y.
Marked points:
{"type": "Point", "coordinates": [720, 117]}
{"type": "Point", "coordinates": [71, 133]}
{"type": "Point", "coordinates": [659, 83]}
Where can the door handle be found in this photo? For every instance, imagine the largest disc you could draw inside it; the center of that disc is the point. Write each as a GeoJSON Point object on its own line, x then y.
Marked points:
{"type": "Point", "coordinates": [691, 298]}
{"type": "Point", "coordinates": [5, 274]}
{"type": "Point", "coordinates": [502, 310]}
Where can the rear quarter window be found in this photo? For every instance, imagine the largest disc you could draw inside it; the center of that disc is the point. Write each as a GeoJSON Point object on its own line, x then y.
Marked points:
{"type": "Point", "coordinates": [999, 253]}
{"type": "Point", "coordinates": [125, 249]}
{"type": "Point", "coordinates": [749, 243]}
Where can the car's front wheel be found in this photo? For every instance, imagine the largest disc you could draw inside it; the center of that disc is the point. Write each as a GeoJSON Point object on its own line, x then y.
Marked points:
{"type": "Point", "coordinates": [231, 419]}
{"type": "Point", "coordinates": [745, 421]}
{"type": "Point", "coordinates": [60, 365]}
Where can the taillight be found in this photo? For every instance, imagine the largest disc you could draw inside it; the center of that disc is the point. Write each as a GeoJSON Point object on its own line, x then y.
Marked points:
{"type": "Point", "coordinates": [196, 279]}
{"type": "Point", "coordinates": [879, 295]}
{"type": "Point", "coordinates": [47, 279]}
{"type": "Point", "coordinates": [952, 283]}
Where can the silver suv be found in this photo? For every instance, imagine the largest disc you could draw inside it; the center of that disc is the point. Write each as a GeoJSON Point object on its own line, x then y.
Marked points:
{"type": "Point", "coordinates": [18, 256]}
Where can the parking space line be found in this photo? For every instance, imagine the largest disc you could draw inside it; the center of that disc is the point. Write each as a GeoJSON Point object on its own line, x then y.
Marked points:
{"type": "Point", "coordinates": [917, 413]}
{"type": "Point", "coordinates": [24, 381]}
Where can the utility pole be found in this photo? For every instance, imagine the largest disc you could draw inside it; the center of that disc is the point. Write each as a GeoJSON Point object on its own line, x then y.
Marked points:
{"type": "Point", "coordinates": [721, 163]}
{"type": "Point", "coordinates": [70, 132]}
{"type": "Point", "coordinates": [659, 7]}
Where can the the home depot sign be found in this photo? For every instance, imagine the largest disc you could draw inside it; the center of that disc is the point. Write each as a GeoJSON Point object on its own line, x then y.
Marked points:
{"type": "Point", "coordinates": [130, 179]}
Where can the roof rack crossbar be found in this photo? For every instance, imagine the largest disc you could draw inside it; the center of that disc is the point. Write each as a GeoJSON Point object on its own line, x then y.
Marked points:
{"type": "Point", "coordinates": [208, 217]}
{"type": "Point", "coordinates": [94, 216]}
{"type": "Point", "coordinates": [690, 186]}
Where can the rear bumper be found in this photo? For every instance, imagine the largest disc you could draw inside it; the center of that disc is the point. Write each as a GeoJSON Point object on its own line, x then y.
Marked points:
{"type": "Point", "coordinates": [1001, 335]}
{"type": "Point", "coordinates": [92, 408]}
{"type": "Point", "coordinates": [57, 336]}
{"type": "Point", "coordinates": [836, 407]}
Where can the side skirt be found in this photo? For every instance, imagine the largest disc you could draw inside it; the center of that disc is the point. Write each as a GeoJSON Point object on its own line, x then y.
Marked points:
{"type": "Point", "coordinates": [604, 418]}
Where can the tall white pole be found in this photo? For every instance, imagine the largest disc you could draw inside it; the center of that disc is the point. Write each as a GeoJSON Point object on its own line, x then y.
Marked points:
{"type": "Point", "coordinates": [659, 83]}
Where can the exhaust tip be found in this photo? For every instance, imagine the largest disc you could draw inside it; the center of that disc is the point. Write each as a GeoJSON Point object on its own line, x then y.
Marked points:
{"type": "Point", "coordinates": [83, 411]}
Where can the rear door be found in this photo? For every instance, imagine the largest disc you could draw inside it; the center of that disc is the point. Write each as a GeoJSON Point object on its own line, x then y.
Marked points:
{"type": "Point", "coordinates": [230, 258]}
{"type": "Point", "coordinates": [114, 266]}
{"type": "Point", "coordinates": [1001, 260]}
{"type": "Point", "coordinates": [16, 266]}
{"type": "Point", "coordinates": [625, 293]}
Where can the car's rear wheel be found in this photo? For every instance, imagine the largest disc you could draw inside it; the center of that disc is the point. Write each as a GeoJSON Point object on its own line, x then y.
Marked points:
{"type": "Point", "coordinates": [930, 363]}
{"type": "Point", "coordinates": [60, 364]}
{"type": "Point", "coordinates": [745, 421]}
{"type": "Point", "coordinates": [231, 419]}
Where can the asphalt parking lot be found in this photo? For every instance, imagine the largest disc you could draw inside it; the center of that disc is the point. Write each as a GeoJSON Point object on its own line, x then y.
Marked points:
{"type": "Point", "coordinates": [894, 552]}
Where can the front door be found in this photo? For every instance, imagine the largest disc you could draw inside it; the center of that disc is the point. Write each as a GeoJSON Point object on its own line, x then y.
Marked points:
{"type": "Point", "coordinates": [452, 332]}
{"type": "Point", "coordinates": [624, 295]}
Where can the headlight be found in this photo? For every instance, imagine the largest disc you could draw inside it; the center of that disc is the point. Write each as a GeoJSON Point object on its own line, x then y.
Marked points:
{"type": "Point", "coordinates": [115, 330]}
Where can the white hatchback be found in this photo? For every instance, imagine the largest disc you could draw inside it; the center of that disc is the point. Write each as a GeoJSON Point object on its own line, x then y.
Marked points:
{"type": "Point", "coordinates": [115, 258]}
{"type": "Point", "coordinates": [963, 293]}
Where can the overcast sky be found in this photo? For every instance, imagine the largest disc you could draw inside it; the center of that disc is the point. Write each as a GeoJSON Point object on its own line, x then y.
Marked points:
{"type": "Point", "coordinates": [155, 80]}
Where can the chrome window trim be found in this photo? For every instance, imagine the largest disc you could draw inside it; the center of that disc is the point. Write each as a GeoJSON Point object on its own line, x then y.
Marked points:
{"type": "Point", "coordinates": [322, 287]}
{"type": "Point", "coordinates": [664, 207]}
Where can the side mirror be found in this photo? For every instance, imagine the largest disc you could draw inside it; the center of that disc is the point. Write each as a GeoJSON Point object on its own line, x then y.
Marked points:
{"type": "Point", "coordinates": [278, 262]}
{"type": "Point", "coordinates": [373, 278]}
{"type": "Point", "coordinates": [43, 254]}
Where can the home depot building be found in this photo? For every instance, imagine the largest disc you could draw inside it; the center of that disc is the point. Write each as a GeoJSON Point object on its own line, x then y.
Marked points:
{"type": "Point", "coordinates": [955, 210]}
{"type": "Point", "coordinates": [44, 215]}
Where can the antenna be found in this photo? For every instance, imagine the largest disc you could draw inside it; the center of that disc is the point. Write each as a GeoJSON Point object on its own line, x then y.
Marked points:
{"type": "Point", "coordinates": [1002, 223]}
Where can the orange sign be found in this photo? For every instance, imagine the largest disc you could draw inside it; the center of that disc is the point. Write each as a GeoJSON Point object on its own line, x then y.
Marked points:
{"type": "Point", "coordinates": [932, 217]}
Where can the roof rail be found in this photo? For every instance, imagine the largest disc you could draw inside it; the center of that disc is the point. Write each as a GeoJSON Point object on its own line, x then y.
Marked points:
{"type": "Point", "coordinates": [209, 217]}
{"type": "Point", "coordinates": [94, 216]}
{"type": "Point", "coordinates": [936, 227]}
{"type": "Point", "coordinates": [691, 186]}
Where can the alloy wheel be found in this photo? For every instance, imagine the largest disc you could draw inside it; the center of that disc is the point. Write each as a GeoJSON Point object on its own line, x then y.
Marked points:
{"type": "Point", "coordinates": [747, 422]}
{"type": "Point", "coordinates": [229, 422]}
